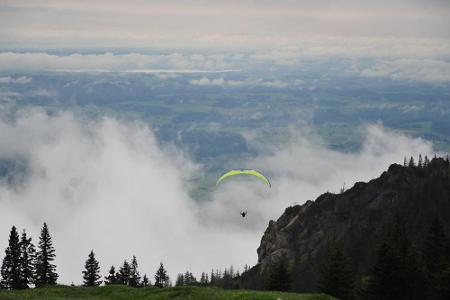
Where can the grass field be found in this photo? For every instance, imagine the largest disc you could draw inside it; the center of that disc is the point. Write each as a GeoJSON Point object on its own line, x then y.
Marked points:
{"type": "Point", "coordinates": [177, 293]}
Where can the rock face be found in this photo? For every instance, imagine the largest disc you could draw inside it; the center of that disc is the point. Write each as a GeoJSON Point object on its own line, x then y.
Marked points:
{"type": "Point", "coordinates": [355, 219]}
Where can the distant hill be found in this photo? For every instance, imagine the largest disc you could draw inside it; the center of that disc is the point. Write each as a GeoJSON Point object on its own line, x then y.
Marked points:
{"type": "Point", "coordinates": [356, 219]}
{"type": "Point", "coordinates": [124, 292]}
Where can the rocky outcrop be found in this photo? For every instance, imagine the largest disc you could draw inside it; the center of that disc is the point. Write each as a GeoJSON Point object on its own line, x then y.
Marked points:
{"type": "Point", "coordinates": [356, 219]}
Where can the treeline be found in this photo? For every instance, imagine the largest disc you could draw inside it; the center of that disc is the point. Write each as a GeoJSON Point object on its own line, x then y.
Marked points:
{"type": "Point", "coordinates": [24, 267]}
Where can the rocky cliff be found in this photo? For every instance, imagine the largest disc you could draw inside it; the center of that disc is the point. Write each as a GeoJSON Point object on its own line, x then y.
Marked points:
{"type": "Point", "coordinates": [356, 220]}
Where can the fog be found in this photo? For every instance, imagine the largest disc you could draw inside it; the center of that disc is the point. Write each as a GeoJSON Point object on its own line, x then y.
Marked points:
{"type": "Point", "coordinates": [108, 185]}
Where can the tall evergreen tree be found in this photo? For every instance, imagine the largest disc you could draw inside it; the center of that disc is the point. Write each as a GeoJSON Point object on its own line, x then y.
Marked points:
{"type": "Point", "coordinates": [145, 281]}
{"type": "Point", "coordinates": [45, 269]}
{"type": "Point", "coordinates": [204, 279]}
{"type": "Point", "coordinates": [420, 162]}
{"type": "Point", "coordinates": [279, 277]}
{"type": "Point", "coordinates": [396, 273]}
{"type": "Point", "coordinates": [27, 261]}
{"type": "Point", "coordinates": [10, 269]}
{"type": "Point", "coordinates": [125, 273]}
{"type": "Point", "coordinates": [336, 278]}
{"type": "Point", "coordinates": [111, 278]}
{"type": "Point", "coordinates": [91, 273]}
{"type": "Point", "coordinates": [180, 280]}
{"type": "Point", "coordinates": [161, 277]}
{"type": "Point", "coordinates": [436, 258]}
{"type": "Point", "coordinates": [135, 278]}
{"type": "Point", "coordinates": [411, 162]}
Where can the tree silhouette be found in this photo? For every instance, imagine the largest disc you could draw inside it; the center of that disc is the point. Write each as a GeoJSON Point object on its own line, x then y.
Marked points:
{"type": "Point", "coordinates": [135, 278]}
{"type": "Point", "coordinates": [145, 281]}
{"type": "Point", "coordinates": [161, 277]}
{"type": "Point", "coordinates": [45, 269]}
{"type": "Point", "coordinates": [336, 278]}
{"type": "Point", "coordinates": [10, 269]}
{"type": "Point", "coordinates": [27, 261]}
{"type": "Point", "coordinates": [279, 277]}
{"type": "Point", "coordinates": [125, 273]}
{"type": "Point", "coordinates": [91, 273]}
{"type": "Point", "coordinates": [112, 276]}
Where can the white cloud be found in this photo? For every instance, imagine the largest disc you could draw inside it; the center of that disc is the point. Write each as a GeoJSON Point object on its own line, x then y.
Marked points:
{"type": "Point", "coordinates": [426, 70]}
{"type": "Point", "coordinates": [16, 80]}
{"type": "Point", "coordinates": [205, 81]}
{"type": "Point", "coordinates": [109, 186]}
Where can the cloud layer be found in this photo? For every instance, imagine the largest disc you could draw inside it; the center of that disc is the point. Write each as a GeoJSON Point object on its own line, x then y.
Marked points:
{"type": "Point", "coordinates": [110, 186]}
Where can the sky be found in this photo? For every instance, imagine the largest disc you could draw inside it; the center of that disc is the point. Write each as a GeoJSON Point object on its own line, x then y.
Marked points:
{"type": "Point", "coordinates": [211, 24]}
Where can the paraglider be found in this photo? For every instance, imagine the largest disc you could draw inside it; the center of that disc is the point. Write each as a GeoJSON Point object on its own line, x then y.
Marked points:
{"type": "Point", "coordinates": [244, 172]}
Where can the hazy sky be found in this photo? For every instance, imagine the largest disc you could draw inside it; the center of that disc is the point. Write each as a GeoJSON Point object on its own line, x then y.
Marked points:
{"type": "Point", "coordinates": [211, 23]}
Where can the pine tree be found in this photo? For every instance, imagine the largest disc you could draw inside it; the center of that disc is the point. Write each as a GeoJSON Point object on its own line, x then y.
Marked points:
{"type": "Point", "coordinates": [124, 273]}
{"type": "Point", "coordinates": [135, 278]}
{"type": "Point", "coordinates": [436, 258]}
{"type": "Point", "coordinates": [396, 273]}
{"type": "Point", "coordinates": [204, 279]}
{"type": "Point", "coordinates": [27, 261]}
{"type": "Point", "coordinates": [111, 278]}
{"type": "Point", "coordinates": [405, 162]}
{"type": "Point", "coordinates": [10, 269]}
{"type": "Point", "coordinates": [145, 282]}
{"type": "Point", "coordinates": [45, 270]}
{"type": "Point", "coordinates": [426, 162]}
{"type": "Point", "coordinates": [336, 277]}
{"type": "Point", "coordinates": [279, 277]}
{"type": "Point", "coordinates": [180, 280]}
{"type": "Point", "coordinates": [411, 162]}
{"type": "Point", "coordinates": [91, 273]}
{"type": "Point", "coordinates": [161, 277]}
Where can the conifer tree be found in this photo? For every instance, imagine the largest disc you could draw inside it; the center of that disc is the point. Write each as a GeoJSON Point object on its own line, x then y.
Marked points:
{"type": "Point", "coordinates": [411, 162]}
{"type": "Point", "coordinates": [396, 273]}
{"type": "Point", "coordinates": [426, 161]}
{"type": "Point", "coordinates": [420, 162]}
{"type": "Point", "coordinates": [436, 258]}
{"type": "Point", "coordinates": [91, 273]}
{"type": "Point", "coordinates": [27, 261]}
{"type": "Point", "coordinates": [145, 282]}
{"type": "Point", "coordinates": [10, 269]}
{"type": "Point", "coordinates": [45, 269]}
{"type": "Point", "coordinates": [124, 273]}
{"type": "Point", "coordinates": [180, 280]}
{"type": "Point", "coordinates": [279, 277]}
{"type": "Point", "coordinates": [204, 279]}
{"type": "Point", "coordinates": [135, 278]}
{"type": "Point", "coordinates": [336, 278]}
{"type": "Point", "coordinates": [161, 277]}
{"type": "Point", "coordinates": [405, 162]}
{"type": "Point", "coordinates": [111, 278]}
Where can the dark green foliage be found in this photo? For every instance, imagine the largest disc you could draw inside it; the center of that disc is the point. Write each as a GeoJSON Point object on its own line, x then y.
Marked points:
{"type": "Point", "coordinates": [27, 261]}
{"type": "Point", "coordinates": [436, 260]}
{"type": "Point", "coordinates": [91, 274]}
{"type": "Point", "coordinates": [180, 280]}
{"type": "Point", "coordinates": [145, 281]}
{"type": "Point", "coordinates": [396, 273]}
{"type": "Point", "coordinates": [279, 278]}
{"type": "Point", "coordinates": [204, 279]}
{"type": "Point", "coordinates": [112, 277]}
{"type": "Point", "coordinates": [45, 269]}
{"type": "Point", "coordinates": [10, 270]}
{"type": "Point", "coordinates": [161, 277]}
{"type": "Point", "coordinates": [124, 273]}
{"type": "Point", "coordinates": [135, 278]}
{"type": "Point", "coordinates": [336, 278]}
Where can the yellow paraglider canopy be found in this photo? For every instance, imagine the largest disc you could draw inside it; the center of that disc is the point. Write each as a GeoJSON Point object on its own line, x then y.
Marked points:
{"type": "Point", "coordinates": [243, 172]}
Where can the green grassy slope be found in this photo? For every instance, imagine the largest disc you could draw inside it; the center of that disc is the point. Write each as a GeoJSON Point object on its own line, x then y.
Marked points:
{"type": "Point", "coordinates": [178, 293]}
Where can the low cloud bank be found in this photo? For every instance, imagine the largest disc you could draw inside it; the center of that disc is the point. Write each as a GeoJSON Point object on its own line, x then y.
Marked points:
{"type": "Point", "coordinates": [110, 186]}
